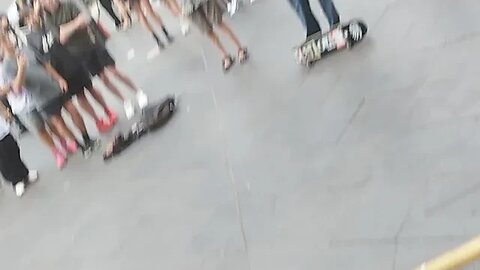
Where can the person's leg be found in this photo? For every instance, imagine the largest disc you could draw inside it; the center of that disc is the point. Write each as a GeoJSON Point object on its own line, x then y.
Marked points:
{"type": "Point", "coordinates": [11, 165]}
{"type": "Point", "coordinates": [107, 5]}
{"type": "Point", "coordinates": [330, 11]}
{"type": "Point", "coordinates": [112, 116]}
{"type": "Point", "coordinates": [137, 8]}
{"type": "Point", "coordinates": [104, 78]}
{"type": "Point", "coordinates": [77, 121]}
{"type": "Point", "coordinates": [145, 4]}
{"type": "Point", "coordinates": [122, 77]}
{"type": "Point", "coordinates": [228, 31]}
{"type": "Point", "coordinates": [174, 8]}
{"type": "Point", "coordinates": [305, 14]}
{"type": "Point", "coordinates": [123, 13]}
{"type": "Point", "coordinates": [57, 121]}
{"type": "Point", "coordinates": [87, 107]}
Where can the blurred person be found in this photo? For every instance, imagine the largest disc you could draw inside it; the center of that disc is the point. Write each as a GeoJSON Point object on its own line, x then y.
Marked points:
{"type": "Point", "coordinates": [143, 8]}
{"type": "Point", "coordinates": [57, 59]}
{"type": "Point", "coordinates": [72, 28]}
{"type": "Point", "coordinates": [12, 167]}
{"type": "Point", "coordinates": [208, 13]}
{"type": "Point", "coordinates": [23, 72]}
{"type": "Point", "coordinates": [304, 13]}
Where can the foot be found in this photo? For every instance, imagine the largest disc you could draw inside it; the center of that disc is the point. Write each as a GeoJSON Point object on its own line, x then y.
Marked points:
{"type": "Point", "coordinates": [243, 55]}
{"type": "Point", "coordinates": [159, 42]}
{"type": "Point", "coordinates": [112, 117]}
{"type": "Point", "coordinates": [60, 159]}
{"type": "Point", "coordinates": [90, 147]}
{"type": "Point", "coordinates": [102, 125]}
{"type": "Point", "coordinates": [228, 62]}
{"type": "Point", "coordinates": [184, 27]}
{"type": "Point", "coordinates": [129, 109]}
{"type": "Point", "coordinates": [142, 99]}
{"type": "Point", "coordinates": [32, 176]}
{"type": "Point", "coordinates": [71, 146]}
{"type": "Point", "coordinates": [170, 39]}
{"type": "Point", "coordinates": [19, 189]}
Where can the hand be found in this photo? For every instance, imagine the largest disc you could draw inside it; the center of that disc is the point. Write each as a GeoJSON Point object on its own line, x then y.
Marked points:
{"type": "Point", "coordinates": [21, 61]}
{"type": "Point", "coordinates": [63, 85]}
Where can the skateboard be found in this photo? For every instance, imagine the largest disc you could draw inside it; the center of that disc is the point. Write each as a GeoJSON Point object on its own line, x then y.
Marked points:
{"type": "Point", "coordinates": [343, 36]}
{"type": "Point", "coordinates": [153, 117]}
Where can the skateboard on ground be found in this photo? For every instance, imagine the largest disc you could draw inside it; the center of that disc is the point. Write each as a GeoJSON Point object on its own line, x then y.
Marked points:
{"type": "Point", "coordinates": [153, 117]}
{"type": "Point", "coordinates": [343, 36]}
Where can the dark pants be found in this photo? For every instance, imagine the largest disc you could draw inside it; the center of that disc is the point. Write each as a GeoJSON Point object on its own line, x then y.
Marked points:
{"type": "Point", "coordinates": [302, 8]}
{"type": "Point", "coordinates": [11, 165]}
{"type": "Point", "coordinates": [107, 5]}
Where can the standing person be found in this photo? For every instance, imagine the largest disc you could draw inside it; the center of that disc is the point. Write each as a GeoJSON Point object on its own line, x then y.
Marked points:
{"type": "Point", "coordinates": [12, 167]}
{"type": "Point", "coordinates": [56, 58]}
{"type": "Point", "coordinates": [143, 8]}
{"type": "Point", "coordinates": [304, 13]}
{"type": "Point", "coordinates": [108, 6]}
{"type": "Point", "coordinates": [207, 13]}
{"type": "Point", "coordinates": [72, 29]}
{"type": "Point", "coordinates": [23, 72]}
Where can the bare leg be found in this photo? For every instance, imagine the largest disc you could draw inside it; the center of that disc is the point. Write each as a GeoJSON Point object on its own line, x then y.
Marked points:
{"type": "Point", "coordinates": [110, 85]}
{"type": "Point", "coordinates": [98, 97]}
{"type": "Point", "coordinates": [227, 31]}
{"type": "Point", "coordinates": [46, 138]}
{"type": "Point", "coordinates": [150, 12]}
{"type": "Point", "coordinates": [216, 41]}
{"type": "Point", "coordinates": [123, 12]}
{"type": "Point", "coordinates": [123, 78]}
{"type": "Point", "coordinates": [54, 131]}
{"type": "Point", "coordinates": [76, 117]}
{"type": "Point", "coordinates": [85, 104]}
{"type": "Point", "coordinates": [174, 8]}
{"type": "Point", "coordinates": [141, 17]}
{"type": "Point", "coordinates": [66, 133]}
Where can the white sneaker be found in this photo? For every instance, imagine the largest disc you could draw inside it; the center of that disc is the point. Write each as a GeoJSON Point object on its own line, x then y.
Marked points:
{"type": "Point", "coordinates": [184, 26]}
{"type": "Point", "coordinates": [142, 99]}
{"type": "Point", "coordinates": [129, 109]}
{"type": "Point", "coordinates": [32, 176]}
{"type": "Point", "coordinates": [19, 189]}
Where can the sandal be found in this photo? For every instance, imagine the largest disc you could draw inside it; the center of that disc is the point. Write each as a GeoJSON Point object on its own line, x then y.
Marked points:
{"type": "Point", "coordinates": [243, 55]}
{"type": "Point", "coordinates": [227, 63]}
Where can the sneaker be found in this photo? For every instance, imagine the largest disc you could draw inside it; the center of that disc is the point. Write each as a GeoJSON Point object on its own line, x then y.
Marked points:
{"type": "Point", "coordinates": [60, 159]}
{"type": "Point", "coordinates": [32, 176]}
{"type": "Point", "coordinates": [142, 99]}
{"type": "Point", "coordinates": [19, 189]}
{"type": "Point", "coordinates": [129, 109]}
{"type": "Point", "coordinates": [103, 126]}
{"type": "Point", "coordinates": [184, 27]}
{"type": "Point", "coordinates": [90, 147]}
{"type": "Point", "coordinates": [112, 116]}
{"type": "Point", "coordinates": [87, 151]}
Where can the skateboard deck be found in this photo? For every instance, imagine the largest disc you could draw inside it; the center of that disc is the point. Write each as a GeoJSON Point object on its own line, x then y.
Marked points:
{"type": "Point", "coordinates": [317, 46]}
{"type": "Point", "coordinates": [153, 117]}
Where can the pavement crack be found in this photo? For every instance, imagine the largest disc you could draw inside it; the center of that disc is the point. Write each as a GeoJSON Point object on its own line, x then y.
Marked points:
{"type": "Point", "coordinates": [350, 121]}
{"type": "Point", "coordinates": [442, 205]}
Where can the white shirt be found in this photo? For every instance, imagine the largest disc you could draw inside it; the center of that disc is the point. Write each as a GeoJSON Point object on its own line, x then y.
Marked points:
{"type": "Point", "coordinates": [19, 102]}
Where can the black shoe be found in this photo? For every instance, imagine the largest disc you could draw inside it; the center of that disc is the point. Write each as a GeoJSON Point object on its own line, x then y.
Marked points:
{"type": "Point", "coordinates": [159, 42]}
{"type": "Point", "coordinates": [90, 147]}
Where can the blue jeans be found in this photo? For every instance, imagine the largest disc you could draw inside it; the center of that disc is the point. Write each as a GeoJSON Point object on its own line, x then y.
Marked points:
{"type": "Point", "coordinates": [302, 8]}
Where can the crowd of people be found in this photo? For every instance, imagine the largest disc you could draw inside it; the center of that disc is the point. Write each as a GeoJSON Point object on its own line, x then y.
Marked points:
{"type": "Point", "coordinates": [64, 49]}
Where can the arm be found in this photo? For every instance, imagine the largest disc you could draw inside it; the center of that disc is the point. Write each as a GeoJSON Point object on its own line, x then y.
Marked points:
{"type": "Point", "coordinates": [81, 20]}
{"type": "Point", "coordinates": [5, 112]}
{"type": "Point", "coordinates": [57, 77]}
{"type": "Point", "coordinates": [18, 81]}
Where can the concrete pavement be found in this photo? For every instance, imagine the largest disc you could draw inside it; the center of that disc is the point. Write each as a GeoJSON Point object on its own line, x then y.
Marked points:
{"type": "Point", "coordinates": [366, 161]}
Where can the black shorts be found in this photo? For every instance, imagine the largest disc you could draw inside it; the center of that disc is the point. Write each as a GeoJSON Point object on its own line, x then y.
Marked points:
{"type": "Point", "coordinates": [97, 59]}
{"type": "Point", "coordinates": [54, 107]}
{"type": "Point", "coordinates": [77, 85]}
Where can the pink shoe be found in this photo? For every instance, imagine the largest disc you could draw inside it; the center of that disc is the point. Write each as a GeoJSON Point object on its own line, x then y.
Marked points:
{"type": "Point", "coordinates": [71, 147]}
{"type": "Point", "coordinates": [60, 159]}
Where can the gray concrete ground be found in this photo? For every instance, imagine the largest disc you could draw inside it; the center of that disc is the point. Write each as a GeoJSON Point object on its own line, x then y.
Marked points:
{"type": "Point", "coordinates": [366, 161]}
